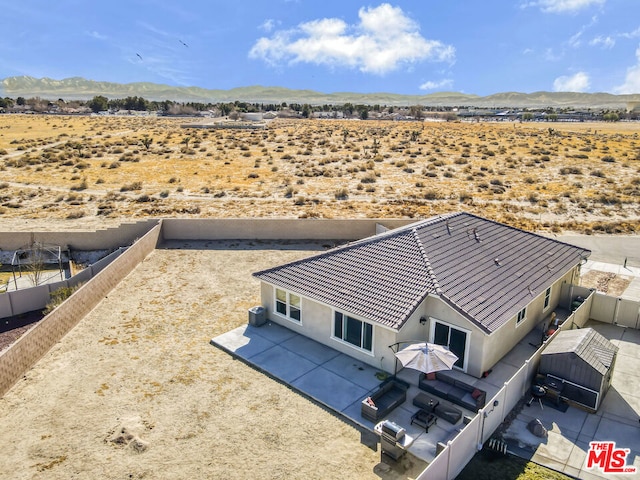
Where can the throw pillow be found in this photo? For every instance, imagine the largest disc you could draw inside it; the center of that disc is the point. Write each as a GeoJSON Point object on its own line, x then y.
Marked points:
{"type": "Point", "coordinates": [431, 376]}
{"type": "Point", "coordinates": [476, 393]}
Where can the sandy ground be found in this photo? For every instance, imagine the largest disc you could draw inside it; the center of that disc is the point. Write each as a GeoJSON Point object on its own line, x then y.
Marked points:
{"type": "Point", "coordinates": [137, 391]}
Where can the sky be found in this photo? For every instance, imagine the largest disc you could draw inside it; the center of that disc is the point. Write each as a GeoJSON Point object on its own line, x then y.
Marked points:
{"type": "Point", "coordinates": [407, 46]}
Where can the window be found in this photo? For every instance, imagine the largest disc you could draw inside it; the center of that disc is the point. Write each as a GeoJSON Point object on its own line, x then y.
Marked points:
{"type": "Point", "coordinates": [547, 298]}
{"type": "Point", "coordinates": [522, 315]}
{"type": "Point", "coordinates": [353, 331]}
{"type": "Point", "coordinates": [288, 305]}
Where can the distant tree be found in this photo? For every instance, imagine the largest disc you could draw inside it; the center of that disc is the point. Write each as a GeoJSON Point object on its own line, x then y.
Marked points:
{"type": "Point", "coordinates": [364, 113]}
{"type": "Point", "coordinates": [306, 110]}
{"type": "Point", "coordinates": [347, 108]}
{"type": "Point", "coordinates": [527, 116]}
{"type": "Point", "coordinates": [6, 102]}
{"type": "Point", "coordinates": [611, 117]}
{"type": "Point", "coordinates": [20, 101]}
{"type": "Point", "coordinates": [98, 104]}
{"type": "Point", "coordinates": [416, 112]}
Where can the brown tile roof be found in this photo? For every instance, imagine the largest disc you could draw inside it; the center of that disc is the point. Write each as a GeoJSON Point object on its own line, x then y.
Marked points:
{"type": "Point", "coordinates": [486, 270]}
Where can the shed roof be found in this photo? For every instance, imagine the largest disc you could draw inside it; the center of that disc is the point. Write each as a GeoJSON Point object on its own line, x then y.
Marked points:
{"type": "Point", "coordinates": [587, 344]}
{"type": "Point", "coordinates": [486, 270]}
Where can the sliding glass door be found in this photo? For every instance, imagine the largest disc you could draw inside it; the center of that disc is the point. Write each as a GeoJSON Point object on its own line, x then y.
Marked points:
{"type": "Point", "coordinates": [452, 337]}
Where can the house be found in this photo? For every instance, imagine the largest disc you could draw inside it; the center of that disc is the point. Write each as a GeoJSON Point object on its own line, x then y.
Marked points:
{"type": "Point", "coordinates": [581, 363]}
{"type": "Point", "coordinates": [470, 283]}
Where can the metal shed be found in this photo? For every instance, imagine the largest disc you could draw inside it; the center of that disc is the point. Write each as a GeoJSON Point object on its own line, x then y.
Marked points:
{"type": "Point", "coordinates": [580, 364]}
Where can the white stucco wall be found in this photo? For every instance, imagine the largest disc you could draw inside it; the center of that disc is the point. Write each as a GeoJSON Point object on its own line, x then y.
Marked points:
{"type": "Point", "coordinates": [502, 340]}
{"type": "Point", "coordinates": [317, 323]}
{"type": "Point", "coordinates": [483, 351]}
{"type": "Point", "coordinates": [433, 308]}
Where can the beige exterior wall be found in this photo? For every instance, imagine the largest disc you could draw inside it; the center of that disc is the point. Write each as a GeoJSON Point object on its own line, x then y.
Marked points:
{"type": "Point", "coordinates": [482, 351]}
{"type": "Point", "coordinates": [502, 340]}
{"type": "Point", "coordinates": [435, 309]}
{"type": "Point", "coordinates": [317, 324]}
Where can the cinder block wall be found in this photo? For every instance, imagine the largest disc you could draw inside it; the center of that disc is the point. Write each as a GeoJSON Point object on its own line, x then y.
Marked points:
{"type": "Point", "coordinates": [104, 239]}
{"type": "Point", "coordinates": [274, 229]}
{"type": "Point", "coordinates": [33, 345]}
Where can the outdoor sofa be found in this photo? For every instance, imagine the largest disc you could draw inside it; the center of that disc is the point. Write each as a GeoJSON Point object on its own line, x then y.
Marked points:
{"type": "Point", "coordinates": [390, 395]}
{"type": "Point", "coordinates": [448, 388]}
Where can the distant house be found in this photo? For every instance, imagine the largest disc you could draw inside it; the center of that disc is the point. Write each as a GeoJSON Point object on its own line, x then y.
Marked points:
{"type": "Point", "coordinates": [460, 280]}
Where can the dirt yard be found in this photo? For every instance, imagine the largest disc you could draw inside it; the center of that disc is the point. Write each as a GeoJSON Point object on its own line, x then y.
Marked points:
{"type": "Point", "coordinates": [136, 390]}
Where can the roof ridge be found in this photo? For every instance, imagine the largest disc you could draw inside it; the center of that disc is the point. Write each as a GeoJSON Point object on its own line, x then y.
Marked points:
{"type": "Point", "coordinates": [427, 263]}
{"type": "Point", "coordinates": [364, 241]}
{"type": "Point", "coordinates": [526, 231]}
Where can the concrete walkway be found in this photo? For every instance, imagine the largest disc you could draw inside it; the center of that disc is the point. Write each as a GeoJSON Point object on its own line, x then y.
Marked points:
{"type": "Point", "coordinates": [569, 433]}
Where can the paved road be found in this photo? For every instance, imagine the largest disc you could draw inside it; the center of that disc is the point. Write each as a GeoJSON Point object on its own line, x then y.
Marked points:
{"type": "Point", "coordinates": [608, 248]}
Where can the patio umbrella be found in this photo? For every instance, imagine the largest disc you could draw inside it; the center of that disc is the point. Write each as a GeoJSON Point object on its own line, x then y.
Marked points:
{"type": "Point", "coordinates": [426, 357]}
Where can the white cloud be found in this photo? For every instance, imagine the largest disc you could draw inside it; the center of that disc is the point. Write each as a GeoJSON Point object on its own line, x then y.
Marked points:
{"type": "Point", "coordinates": [96, 35]}
{"type": "Point", "coordinates": [633, 34]}
{"type": "Point", "coordinates": [632, 80]}
{"type": "Point", "coordinates": [383, 40]}
{"type": "Point", "coordinates": [604, 42]}
{"type": "Point", "coordinates": [575, 41]}
{"type": "Point", "coordinates": [268, 25]}
{"type": "Point", "coordinates": [574, 83]}
{"type": "Point", "coordinates": [431, 85]}
{"type": "Point", "coordinates": [563, 6]}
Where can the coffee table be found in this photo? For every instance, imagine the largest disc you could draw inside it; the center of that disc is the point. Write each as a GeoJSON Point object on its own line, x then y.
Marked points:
{"type": "Point", "coordinates": [424, 419]}
{"type": "Point", "coordinates": [425, 402]}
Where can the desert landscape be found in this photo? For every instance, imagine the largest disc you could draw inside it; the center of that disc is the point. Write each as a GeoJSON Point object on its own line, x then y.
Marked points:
{"type": "Point", "coordinates": [79, 171]}
{"type": "Point", "coordinates": [136, 389]}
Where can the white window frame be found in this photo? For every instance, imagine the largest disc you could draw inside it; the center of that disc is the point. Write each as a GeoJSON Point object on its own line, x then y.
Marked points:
{"type": "Point", "coordinates": [467, 341]}
{"type": "Point", "coordinates": [521, 316]}
{"type": "Point", "coordinates": [364, 325]}
{"type": "Point", "coordinates": [291, 310]}
{"type": "Point", "coordinates": [547, 299]}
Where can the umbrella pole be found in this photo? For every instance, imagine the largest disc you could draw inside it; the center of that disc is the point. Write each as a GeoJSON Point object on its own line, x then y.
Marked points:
{"type": "Point", "coordinates": [395, 365]}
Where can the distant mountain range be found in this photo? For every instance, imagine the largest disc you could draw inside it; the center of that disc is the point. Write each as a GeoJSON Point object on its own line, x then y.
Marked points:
{"type": "Point", "coordinates": [78, 88]}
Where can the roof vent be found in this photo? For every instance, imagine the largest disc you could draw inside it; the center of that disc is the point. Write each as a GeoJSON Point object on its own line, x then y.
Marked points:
{"type": "Point", "coordinates": [448, 227]}
{"type": "Point", "coordinates": [476, 235]}
{"type": "Point", "coordinates": [531, 292]}
{"type": "Point", "coordinates": [497, 262]}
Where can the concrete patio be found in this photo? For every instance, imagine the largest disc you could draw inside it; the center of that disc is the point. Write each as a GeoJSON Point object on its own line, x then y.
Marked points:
{"type": "Point", "coordinates": [569, 433]}
{"type": "Point", "coordinates": [340, 382]}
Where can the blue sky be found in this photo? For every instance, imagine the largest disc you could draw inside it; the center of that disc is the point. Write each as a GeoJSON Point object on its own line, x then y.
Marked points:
{"type": "Point", "coordinates": [409, 47]}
